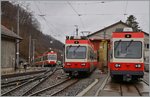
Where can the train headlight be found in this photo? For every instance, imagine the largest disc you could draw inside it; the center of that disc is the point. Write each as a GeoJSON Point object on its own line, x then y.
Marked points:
{"type": "Point", "coordinates": [138, 65]}
{"type": "Point", "coordinates": [117, 65]}
{"type": "Point", "coordinates": [83, 64]}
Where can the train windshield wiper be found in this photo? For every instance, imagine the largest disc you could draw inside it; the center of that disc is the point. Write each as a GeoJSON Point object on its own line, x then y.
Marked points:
{"type": "Point", "coordinates": [69, 47]}
{"type": "Point", "coordinates": [76, 48]}
{"type": "Point", "coordinates": [117, 44]}
{"type": "Point", "coordinates": [129, 44]}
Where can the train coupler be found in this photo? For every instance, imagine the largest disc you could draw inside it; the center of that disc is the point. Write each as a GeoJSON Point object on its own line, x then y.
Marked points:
{"type": "Point", "coordinates": [75, 73]}
{"type": "Point", "coordinates": [127, 77]}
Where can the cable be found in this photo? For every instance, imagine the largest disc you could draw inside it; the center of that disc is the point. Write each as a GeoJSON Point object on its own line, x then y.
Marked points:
{"type": "Point", "coordinates": [56, 29]}
{"type": "Point", "coordinates": [73, 8]}
{"type": "Point", "coordinates": [43, 17]}
{"type": "Point", "coordinates": [77, 14]}
{"type": "Point", "coordinates": [125, 9]}
{"type": "Point", "coordinates": [46, 21]}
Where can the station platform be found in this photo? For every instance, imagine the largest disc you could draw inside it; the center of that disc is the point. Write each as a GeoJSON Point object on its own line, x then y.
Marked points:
{"type": "Point", "coordinates": [7, 71]}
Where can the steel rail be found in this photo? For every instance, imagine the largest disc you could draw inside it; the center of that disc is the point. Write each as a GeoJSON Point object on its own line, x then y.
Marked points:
{"type": "Point", "coordinates": [145, 82]}
{"type": "Point", "coordinates": [21, 74]}
{"type": "Point", "coordinates": [55, 93]}
{"type": "Point", "coordinates": [36, 85]}
{"type": "Point", "coordinates": [121, 92]}
{"type": "Point", "coordinates": [48, 88]}
{"type": "Point", "coordinates": [137, 90]}
{"type": "Point", "coordinates": [28, 82]}
{"type": "Point", "coordinates": [14, 82]}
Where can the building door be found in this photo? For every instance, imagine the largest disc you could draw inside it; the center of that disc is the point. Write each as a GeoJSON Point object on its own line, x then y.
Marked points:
{"type": "Point", "coordinates": [103, 55]}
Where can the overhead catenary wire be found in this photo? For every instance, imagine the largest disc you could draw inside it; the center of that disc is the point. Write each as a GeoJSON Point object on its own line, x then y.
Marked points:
{"type": "Point", "coordinates": [76, 13]}
{"type": "Point", "coordinates": [52, 24]}
{"type": "Point", "coordinates": [47, 21]}
{"type": "Point", "coordinates": [43, 17]}
{"type": "Point", "coordinates": [125, 9]}
{"type": "Point", "coordinates": [83, 2]}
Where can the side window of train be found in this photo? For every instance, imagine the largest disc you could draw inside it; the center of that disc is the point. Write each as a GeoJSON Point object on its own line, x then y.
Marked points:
{"type": "Point", "coordinates": [44, 57]}
{"type": "Point", "coordinates": [111, 54]}
{"type": "Point", "coordinates": [89, 53]}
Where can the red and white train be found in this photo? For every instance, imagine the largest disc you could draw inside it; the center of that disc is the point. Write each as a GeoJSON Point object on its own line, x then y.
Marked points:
{"type": "Point", "coordinates": [47, 59]}
{"type": "Point", "coordinates": [80, 56]}
{"type": "Point", "coordinates": [127, 55]}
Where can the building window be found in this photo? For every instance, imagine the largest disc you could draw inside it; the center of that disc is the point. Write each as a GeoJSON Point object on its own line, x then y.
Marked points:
{"type": "Point", "coordinates": [147, 46]}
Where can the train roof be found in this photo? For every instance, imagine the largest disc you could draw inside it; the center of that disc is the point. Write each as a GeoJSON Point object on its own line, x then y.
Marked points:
{"type": "Point", "coordinates": [76, 38]}
{"type": "Point", "coordinates": [79, 40]}
{"type": "Point", "coordinates": [127, 35]}
{"type": "Point", "coordinates": [50, 52]}
{"type": "Point", "coordinates": [39, 56]}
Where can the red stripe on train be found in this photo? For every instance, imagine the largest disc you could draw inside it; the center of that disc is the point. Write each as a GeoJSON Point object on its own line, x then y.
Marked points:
{"type": "Point", "coordinates": [77, 65]}
{"type": "Point", "coordinates": [122, 34]}
{"type": "Point", "coordinates": [126, 66]}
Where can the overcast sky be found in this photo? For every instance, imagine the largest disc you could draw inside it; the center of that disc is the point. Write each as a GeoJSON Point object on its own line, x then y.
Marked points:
{"type": "Point", "coordinates": [58, 18]}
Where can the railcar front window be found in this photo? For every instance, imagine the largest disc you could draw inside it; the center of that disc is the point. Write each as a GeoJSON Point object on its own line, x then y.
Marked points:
{"type": "Point", "coordinates": [128, 49]}
{"type": "Point", "coordinates": [76, 52]}
{"type": "Point", "coordinates": [52, 57]}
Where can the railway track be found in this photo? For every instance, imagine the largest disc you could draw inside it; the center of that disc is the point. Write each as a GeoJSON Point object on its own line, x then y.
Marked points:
{"type": "Point", "coordinates": [130, 90]}
{"type": "Point", "coordinates": [145, 82]}
{"type": "Point", "coordinates": [21, 74]}
{"type": "Point", "coordinates": [56, 88]}
{"type": "Point", "coordinates": [16, 82]}
{"type": "Point", "coordinates": [115, 88]}
{"type": "Point", "coordinates": [29, 91]}
{"type": "Point", "coordinates": [125, 89]}
{"type": "Point", "coordinates": [31, 83]}
{"type": "Point", "coordinates": [12, 80]}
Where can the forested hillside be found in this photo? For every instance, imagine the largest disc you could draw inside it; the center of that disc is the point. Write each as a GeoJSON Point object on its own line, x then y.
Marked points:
{"type": "Point", "coordinates": [28, 26]}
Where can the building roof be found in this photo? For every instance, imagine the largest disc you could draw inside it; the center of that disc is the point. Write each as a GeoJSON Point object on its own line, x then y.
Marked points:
{"type": "Point", "coordinates": [120, 22]}
{"type": "Point", "coordinates": [8, 33]}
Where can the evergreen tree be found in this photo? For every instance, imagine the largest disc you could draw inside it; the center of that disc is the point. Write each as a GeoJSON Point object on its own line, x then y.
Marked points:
{"type": "Point", "coordinates": [131, 21]}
